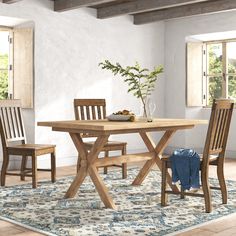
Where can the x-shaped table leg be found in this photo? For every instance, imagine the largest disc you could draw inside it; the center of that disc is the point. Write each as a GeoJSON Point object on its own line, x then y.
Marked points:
{"type": "Point", "coordinates": [87, 166]}
{"type": "Point", "coordinates": [157, 159]}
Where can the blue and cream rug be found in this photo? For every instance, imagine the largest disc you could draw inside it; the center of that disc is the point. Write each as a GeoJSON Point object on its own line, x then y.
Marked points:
{"type": "Point", "coordinates": [139, 212]}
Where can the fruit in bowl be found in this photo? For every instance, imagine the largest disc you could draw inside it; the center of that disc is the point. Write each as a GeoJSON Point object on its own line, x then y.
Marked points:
{"type": "Point", "coordinates": [124, 115]}
{"type": "Point", "coordinates": [124, 112]}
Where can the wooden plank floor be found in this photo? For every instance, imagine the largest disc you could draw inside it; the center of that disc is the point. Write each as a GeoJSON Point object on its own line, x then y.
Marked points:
{"type": "Point", "coordinates": [220, 228]}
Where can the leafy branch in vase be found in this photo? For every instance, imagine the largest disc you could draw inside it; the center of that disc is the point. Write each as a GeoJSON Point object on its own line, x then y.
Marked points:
{"type": "Point", "coordinates": [141, 81]}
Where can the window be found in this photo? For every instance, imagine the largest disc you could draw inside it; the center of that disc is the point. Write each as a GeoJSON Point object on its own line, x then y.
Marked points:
{"type": "Point", "coordinates": [16, 65]}
{"type": "Point", "coordinates": [4, 64]}
{"type": "Point", "coordinates": [211, 72]}
{"type": "Point", "coordinates": [221, 70]}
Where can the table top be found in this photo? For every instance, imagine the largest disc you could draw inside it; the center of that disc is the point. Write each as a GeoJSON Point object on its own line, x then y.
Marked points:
{"type": "Point", "coordinates": [105, 125]}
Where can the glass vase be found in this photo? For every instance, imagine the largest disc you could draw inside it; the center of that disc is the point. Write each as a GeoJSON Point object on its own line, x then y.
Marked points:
{"type": "Point", "coordinates": [147, 109]}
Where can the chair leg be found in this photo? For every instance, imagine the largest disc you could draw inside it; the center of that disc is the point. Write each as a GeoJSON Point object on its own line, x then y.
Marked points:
{"type": "Point", "coordinates": [4, 169]}
{"type": "Point", "coordinates": [221, 178]}
{"type": "Point", "coordinates": [34, 171]}
{"type": "Point", "coordinates": [182, 196]}
{"type": "Point", "coordinates": [53, 166]}
{"type": "Point", "coordinates": [163, 184]}
{"type": "Point", "coordinates": [206, 191]}
{"type": "Point", "coordinates": [124, 170]}
{"type": "Point", "coordinates": [23, 167]}
{"type": "Point", "coordinates": [124, 165]}
{"type": "Point", "coordinates": [78, 164]}
{"type": "Point", "coordinates": [105, 168]}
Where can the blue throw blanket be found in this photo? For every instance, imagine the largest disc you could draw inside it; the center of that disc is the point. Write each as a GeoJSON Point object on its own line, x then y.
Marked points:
{"type": "Point", "coordinates": [185, 165]}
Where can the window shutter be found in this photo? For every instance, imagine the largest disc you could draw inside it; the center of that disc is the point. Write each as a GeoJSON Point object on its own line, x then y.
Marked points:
{"type": "Point", "coordinates": [204, 75]}
{"type": "Point", "coordinates": [23, 66]}
{"type": "Point", "coordinates": [195, 96]}
{"type": "Point", "coordinates": [10, 69]}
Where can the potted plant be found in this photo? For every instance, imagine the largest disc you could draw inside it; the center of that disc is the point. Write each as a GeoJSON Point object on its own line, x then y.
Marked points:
{"type": "Point", "coordinates": [141, 81]}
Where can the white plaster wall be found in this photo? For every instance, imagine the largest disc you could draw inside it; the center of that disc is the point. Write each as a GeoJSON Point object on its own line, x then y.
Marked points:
{"type": "Point", "coordinates": [68, 48]}
{"type": "Point", "coordinates": [175, 75]}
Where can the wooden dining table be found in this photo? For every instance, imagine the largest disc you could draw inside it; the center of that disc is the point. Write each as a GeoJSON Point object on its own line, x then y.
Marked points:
{"type": "Point", "coordinates": [89, 161]}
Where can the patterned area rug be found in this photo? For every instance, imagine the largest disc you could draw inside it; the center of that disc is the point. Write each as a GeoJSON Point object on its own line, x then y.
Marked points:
{"type": "Point", "coordinates": [139, 211]}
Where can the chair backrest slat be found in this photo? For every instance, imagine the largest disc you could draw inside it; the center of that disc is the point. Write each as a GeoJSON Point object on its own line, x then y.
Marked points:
{"type": "Point", "coordinates": [218, 128]}
{"type": "Point", "coordinates": [89, 109]}
{"type": "Point", "coordinates": [104, 112]}
{"type": "Point", "coordinates": [88, 113]}
{"type": "Point", "coordinates": [12, 118]}
{"type": "Point", "coordinates": [82, 116]}
{"type": "Point", "coordinates": [217, 124]}
{"type": "Point", "coordinates": [18, 128]}
{"type": "Point", "coordinates": [99, 112]}
{"type": "Point", "coordinates": [21, 123]}
{"type": "Point", "coordinates": [11, 123]}
{"type": "Point", "coordinates": [3, 120]}
{"type": "Point", "coordinates": [94, 117]}
{"type": "Point", "coordinates": [8, 122]}
{"type": "Point", "coordinates": [221, 138]}
{"type": "Point", "coordinates": [221, 129]}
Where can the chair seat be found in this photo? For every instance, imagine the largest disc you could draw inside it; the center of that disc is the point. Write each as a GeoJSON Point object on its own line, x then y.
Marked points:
{"type": "Point", "coordinates": [212, 159]}
{"type": "Point", "coordinates": [28, 149]}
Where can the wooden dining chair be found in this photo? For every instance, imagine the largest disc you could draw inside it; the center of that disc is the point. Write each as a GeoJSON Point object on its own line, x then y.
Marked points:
{"type": "Point", "coordinates": [95, 109]}
{"type": "Point", "coordinates": [213, 154]}
{"type": "Point", "coordinates": [14, 143]}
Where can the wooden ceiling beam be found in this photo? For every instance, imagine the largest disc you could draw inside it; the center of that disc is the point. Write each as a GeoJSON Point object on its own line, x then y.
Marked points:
{"type": "Point", "coordinates": [65, 5]}
{"type": "Point", "coordinates": [212, 6]}
{"type": "Point", "coordinates": [10, 1]}
{"type": "Point", "coordinates": [140, 6]}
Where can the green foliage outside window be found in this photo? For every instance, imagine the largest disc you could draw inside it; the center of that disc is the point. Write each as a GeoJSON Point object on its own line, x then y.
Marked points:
{"type": "Point", "coordinates": [215, 69]}
{"type": "Point", "coordinates": [3, 76]}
